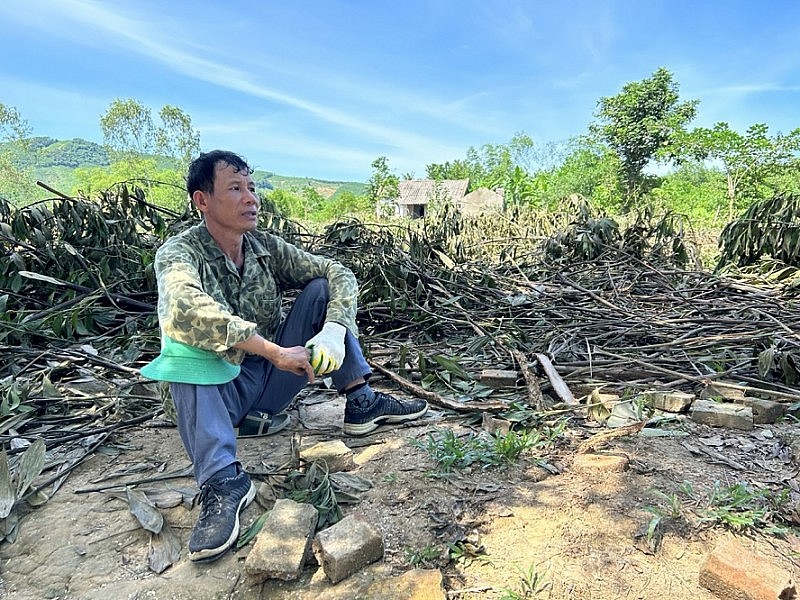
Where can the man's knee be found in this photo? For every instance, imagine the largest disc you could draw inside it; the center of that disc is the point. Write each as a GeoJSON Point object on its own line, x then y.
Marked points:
{"type": "Point", "coordinates": [318, 287]}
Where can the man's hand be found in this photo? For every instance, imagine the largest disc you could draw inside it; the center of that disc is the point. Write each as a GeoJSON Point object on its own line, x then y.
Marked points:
{"type": "Point", "coordinates": [327, 348]}
{"type": "Point", "coordinates": [294, 360]}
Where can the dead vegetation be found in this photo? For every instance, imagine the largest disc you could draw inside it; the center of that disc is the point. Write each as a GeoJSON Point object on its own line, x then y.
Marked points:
{"type": "Point", "coordinates": [573, 302]}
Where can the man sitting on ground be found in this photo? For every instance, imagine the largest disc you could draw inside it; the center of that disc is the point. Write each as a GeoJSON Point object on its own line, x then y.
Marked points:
{"type": "Point", "coordinates": [232, 363]}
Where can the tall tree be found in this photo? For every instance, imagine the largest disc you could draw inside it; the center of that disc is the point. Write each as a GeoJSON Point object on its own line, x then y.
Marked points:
{"type": "Point", "coordinates": [458, 169]}
{"type": "Point", "coordinates": [135, 141]}
{"type": "Point", "coordinates": [130, 132]}
{"type": "Point", "coordinates": [640, 122]}
{"type": "Point", "coordinates": [176, 137]}
{"type": "Point", "coordinates": [16, 182]}
{"type": "Point", "coordinates": [747, 160]}
{"type": "Point", "coordinates": [494, 166]}
{"type": "Point", "coordinates": [383, 184]}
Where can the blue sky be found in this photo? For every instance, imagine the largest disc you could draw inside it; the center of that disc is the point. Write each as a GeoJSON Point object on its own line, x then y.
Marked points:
{"type": "Point", "coordinates": [322, 88]}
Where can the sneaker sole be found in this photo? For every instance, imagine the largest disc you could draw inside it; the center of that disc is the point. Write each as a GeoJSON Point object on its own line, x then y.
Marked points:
{"type": "Point", "coordinates": [209, 554]}
{"type": "Point", "coordinates": [369, 426]}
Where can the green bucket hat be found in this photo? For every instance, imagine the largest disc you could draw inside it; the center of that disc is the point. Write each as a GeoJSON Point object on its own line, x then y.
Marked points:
{"type": "Point", "coordinates": [181, 363]}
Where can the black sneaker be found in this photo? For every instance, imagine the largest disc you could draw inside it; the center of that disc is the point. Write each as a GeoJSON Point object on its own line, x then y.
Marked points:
{"type": "Point", "coordinates": [260, 424]}
{"type": "Point", "coordinates": [360, 419]}
{"type": "Point", "coordinates": [221, 500]}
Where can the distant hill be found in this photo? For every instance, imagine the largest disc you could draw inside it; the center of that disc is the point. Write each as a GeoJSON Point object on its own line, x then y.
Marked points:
{"type": "Point", "coordinates": [53, 161]}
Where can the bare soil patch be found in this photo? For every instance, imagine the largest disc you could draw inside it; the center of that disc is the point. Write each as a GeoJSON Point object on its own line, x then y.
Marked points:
{"type": "Point", "coordinates": [577, 529]}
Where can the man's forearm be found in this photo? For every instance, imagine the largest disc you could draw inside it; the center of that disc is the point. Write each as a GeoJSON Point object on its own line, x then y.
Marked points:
{"type": "Point", "coordinates": [257, 344]}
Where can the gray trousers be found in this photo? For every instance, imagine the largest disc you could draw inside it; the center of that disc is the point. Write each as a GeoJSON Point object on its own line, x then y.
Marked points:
{"type": "Point", "coordinates": [208, 414]}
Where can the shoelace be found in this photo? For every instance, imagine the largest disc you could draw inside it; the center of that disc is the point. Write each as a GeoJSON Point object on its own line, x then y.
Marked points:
{"type": "Point", "coordinates": [210, 499]}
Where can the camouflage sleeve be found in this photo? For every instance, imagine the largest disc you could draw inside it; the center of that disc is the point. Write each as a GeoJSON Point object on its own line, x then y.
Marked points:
{"type": "Point", "coordinates": [187, 313]}
{"type": "Point", "coordinates": [293, 267]}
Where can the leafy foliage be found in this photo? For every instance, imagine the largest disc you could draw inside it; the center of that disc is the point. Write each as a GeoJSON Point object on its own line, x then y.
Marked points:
{"type": "Point", "coordinates": [748, 161]}
{"type": "Point", "coordinates": [591, 235]}
{"type": "Point", "coordinates": [640, 122]}
{"type": "Point", "coordinates": [93, 257]}
{"type": "Point", "coordinates": [693, 189]}
{"type": "Point", "coordinates": [589, 169]}
{"type": "Point", "coordinates": [768, 227]}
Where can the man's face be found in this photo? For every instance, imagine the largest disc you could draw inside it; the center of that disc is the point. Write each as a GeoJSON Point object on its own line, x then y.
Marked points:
{"type": "Point", "coordinates": [233, 205]}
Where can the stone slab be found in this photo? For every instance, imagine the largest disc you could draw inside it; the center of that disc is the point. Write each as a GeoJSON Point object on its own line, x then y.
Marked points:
{"type": "Point", "coordinates": [347, 546]}
{"type": "Point", "coordinates": [282, 546]}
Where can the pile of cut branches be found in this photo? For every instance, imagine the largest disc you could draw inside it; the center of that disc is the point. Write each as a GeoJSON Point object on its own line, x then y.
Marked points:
{"type": "Point", "coordinates": [442, 299]}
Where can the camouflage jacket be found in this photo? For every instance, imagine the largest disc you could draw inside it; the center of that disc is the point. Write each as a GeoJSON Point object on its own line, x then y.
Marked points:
{"type": "Point", "coordinates": [204, 302]}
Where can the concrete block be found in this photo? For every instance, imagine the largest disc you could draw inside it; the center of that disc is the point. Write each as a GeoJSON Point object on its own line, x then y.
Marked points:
{"type": "Point", "coordinates": [335, 453]}
{"type": "Point", "coordinates": [495, 426]}
{"type": "Point", "coordinates": [668, 400]}
{"type": "Point", "coordinates": [499, 378]}
{"type": "Point", "coordinates": [283, 544]}
{"type": "Point", "coordinates": [731, 391]}
{"type": "Point", "coordinates": [732, 571]}
{"type": "Point", "coordinates": [764, 411]}
{"type": "Point", "coordinates": [719, 414]}
{"type": "Point", "coordinates": [347, 546]}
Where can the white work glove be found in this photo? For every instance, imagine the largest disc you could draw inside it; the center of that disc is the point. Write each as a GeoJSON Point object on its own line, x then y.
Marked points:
{"type": "Point", "coordinates": [327, 348]}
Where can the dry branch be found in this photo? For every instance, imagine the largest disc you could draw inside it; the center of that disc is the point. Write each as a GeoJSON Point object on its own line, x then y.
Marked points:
{"type": "Point", "coordinates": [433, 397]}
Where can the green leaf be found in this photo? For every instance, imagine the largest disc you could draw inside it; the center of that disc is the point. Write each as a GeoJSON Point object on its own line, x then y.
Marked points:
{"type": "Point", "coordinates": [766, 360]}
{"type": "Point", "coordinates": [251, 532]}
{"type": "Point", "coordinates": [452, 366]}
{"type": "Point", "coordinates": [7, 495]}
{"type": "Point", "coordinates": [30, 465]}
{"type": "Point", "coordinates": [145, 512]}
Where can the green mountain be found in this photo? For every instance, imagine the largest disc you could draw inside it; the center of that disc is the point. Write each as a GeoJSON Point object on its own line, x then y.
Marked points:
{"type": "Point", "coordinates": [54, 161]}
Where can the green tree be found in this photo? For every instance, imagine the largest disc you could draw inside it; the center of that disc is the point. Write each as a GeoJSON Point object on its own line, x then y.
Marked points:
{"type": "Point", "coordinates": [145, 152]}
{"type": "Point", "coordinates": [382, 187]}
{"type": "Point", "coordinates": [495, 165]}
{"type": "Point", "coordinates": [590, 169]}
{"type": "Point", "coordinates": [693, 189]}
{"type": "Point", "coordinates": [639, 124]}
{"type": "Point", "coordinates": [130, 132]}
{"type": "Point", "coordinates": [16, 182]}
{"type": "Point", "coordinates": [163, 186]}
{"type": "Point", "coordinates": [346, 204]}
{"type": "Point", "coordinates": [289, 204]}
{"type": "Point", "coordinates": [458, 169]}
{"type": "Point", "coordinates": [176, 137]}
{"type": "Point", "coordinates": [748, 161]}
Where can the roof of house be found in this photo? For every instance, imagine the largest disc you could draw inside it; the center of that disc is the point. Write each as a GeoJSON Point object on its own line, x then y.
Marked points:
{"type": "Point", "coordinates": [420, 191]}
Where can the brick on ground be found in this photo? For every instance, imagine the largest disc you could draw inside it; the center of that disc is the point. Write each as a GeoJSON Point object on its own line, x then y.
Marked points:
{"type": "Point", "coordinates": [764, 411]}
{"type": "Point", "coordinates": [282, 546]}
{"type": "Point", "coordinates": [732, 571]}
{"type": "Point", "coordinates": [668, 400]}
{"type": "Point", "coordinates": [499, 378]}
{"type": "Point", "coordinates": [347, 546]}
{"type": "Point", "coordinates": [722, 414]}
{"type": "Point", "coordinates": [335, 453]}
{"type": "Point", "coordinates": [727, 390]}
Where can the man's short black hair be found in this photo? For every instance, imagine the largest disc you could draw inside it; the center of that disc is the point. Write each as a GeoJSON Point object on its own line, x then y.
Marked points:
{"type": "Point", "coordinates": [201, 171]}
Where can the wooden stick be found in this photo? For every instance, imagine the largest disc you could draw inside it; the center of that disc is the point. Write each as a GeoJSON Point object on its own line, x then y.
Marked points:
{"type": "Point", "coordinates": [534, 391]}
{"type": "Point", "coordinates": [555, 380]}
{"type": "Point", "coordinates": [433, 397]}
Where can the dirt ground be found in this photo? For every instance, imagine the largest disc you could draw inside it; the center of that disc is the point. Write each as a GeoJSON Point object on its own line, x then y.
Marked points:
{"type": "Point", "coordinates": [568, 532]}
